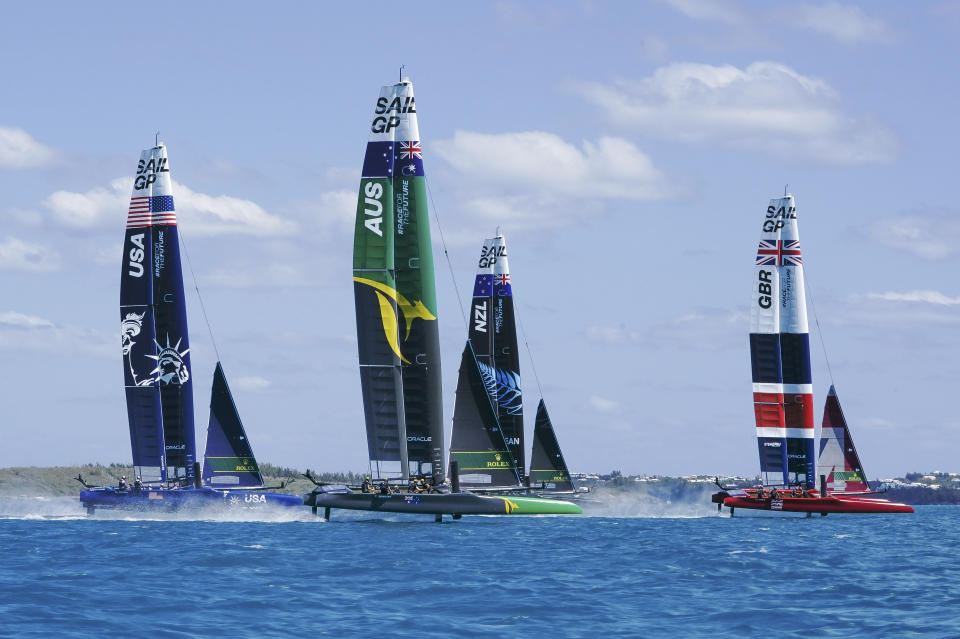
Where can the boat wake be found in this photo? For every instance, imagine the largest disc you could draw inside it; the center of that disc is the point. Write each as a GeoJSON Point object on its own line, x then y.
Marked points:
{"type": "Point", "coordinates": [66, 508]}
{"type": "Point", "coordinates": [632, 504]}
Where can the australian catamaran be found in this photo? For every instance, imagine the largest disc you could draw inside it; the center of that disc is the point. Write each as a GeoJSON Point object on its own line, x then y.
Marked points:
{"type": "Point", "coordinates": [398, 342]}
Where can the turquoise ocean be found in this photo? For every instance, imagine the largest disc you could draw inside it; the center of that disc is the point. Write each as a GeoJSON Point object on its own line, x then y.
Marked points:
{"type": "Point", "coordinates": [619, 571]}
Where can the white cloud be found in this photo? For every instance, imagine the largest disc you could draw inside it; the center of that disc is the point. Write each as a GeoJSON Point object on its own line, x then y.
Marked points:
{"type": "Point", "coordinates": [926, 297]}
{"type": "Point", "coordinates": [18, 255]}
{"type": "Point", "coordinates": [710, 10]}
{"type": "Point", "coordinates": [199, 213]}
{"type": "Point", "coordinates": [18, 150]}
{"type": "Point", "coordinates": [766, 106]}
{"type": "Point", "coordinates": [252, 384]}
{"type": "Point", "coordinates": [604, 405]}
{"type": "Point", "coordinates": [13, 319]}
{"type": "Point", "coordinates": [611, 334]}
{"type": "Point", "coordinates": [533, 177]}
{"type": "Point", "coordinates": [931, 235]}
{"type": "Point", "coordinates": [847, 24]}
{"type": "Point", "coordinates": [19, 331]}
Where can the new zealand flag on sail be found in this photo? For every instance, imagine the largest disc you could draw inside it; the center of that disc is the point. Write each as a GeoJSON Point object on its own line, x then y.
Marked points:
{"type": "Point", "coordinates": [502, 283]}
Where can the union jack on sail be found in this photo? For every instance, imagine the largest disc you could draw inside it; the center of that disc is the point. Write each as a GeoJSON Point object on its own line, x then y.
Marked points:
{"type": "Point", "coordinates": [410, 150]}
{"type": "Point", "coordinates": [779, 253]}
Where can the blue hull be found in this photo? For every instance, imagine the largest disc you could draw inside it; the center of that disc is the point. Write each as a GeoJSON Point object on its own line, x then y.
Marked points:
{"type": "Point", "coordinates": [167, 500]}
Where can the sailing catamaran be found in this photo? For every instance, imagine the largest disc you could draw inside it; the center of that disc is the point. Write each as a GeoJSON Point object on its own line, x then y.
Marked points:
{"type": "Point", "coordinates": [489, 444]}
{"type": "Point", "coordinates": [783, 389]}
{"type": "Point", "coordinates": [158, 375]}
{"type": "Point", "coordinates": [398, 341]}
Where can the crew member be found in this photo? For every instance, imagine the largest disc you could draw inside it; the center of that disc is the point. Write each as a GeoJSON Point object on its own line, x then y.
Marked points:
{"type": "Point", "coordinates": [137, 484]}
{"type": "Point", "coordinates": [367, 486]}
{"type": "Point", "coordinates": [123, 482]}
{"type": "Point", "coordinates": [384, 487]}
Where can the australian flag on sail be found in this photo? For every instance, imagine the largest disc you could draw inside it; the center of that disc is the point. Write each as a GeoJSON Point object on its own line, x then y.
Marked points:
{"type": "Point", "coordinates": [779, 253]}
{"type": "Point", "coordinates": [483, 287]}
{"type": "Point", "coordinates": [501, 283]}
{"type": "Point", "coordinates": [409, 161]}
{"type": "Point", "coordinates": [378, 161]}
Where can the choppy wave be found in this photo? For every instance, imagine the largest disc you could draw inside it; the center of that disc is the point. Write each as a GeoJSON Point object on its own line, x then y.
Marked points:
{"type": "Point", "coordinates": [649, 573]}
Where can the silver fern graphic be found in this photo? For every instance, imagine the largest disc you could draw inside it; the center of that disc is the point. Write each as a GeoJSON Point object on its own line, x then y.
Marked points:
{"type": "Point", "coordinates": [504, 388]}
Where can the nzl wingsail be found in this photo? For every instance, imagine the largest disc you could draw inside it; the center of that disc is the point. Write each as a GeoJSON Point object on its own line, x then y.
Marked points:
{"type": "Point", "coordinates": [395, 296]}
{"type": "Point", "coordinates": [839, 461]}
{"type": "Point", "coordinates": [228, 460]}
{"type": "Point", "coordinates": [153, 325]}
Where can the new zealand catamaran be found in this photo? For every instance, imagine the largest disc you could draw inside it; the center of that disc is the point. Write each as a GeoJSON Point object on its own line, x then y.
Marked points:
{"type": "Point", "coordinates": [783, 393]}
{"type": "Point", "coordinates": [158, 375]}
{"type": "Point", "coordinates": [488, 444]}
{"type": "Point", "coordinates": [398, 342]}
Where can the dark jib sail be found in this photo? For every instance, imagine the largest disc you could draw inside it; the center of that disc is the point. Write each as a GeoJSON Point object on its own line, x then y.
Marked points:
{"type": "Point", "coordinates": [153, 327]}
{"type": "Point", "coordinates": [839, 460]}
{"type": "Point", "coordinates": [395, 296]}
{"type": "Point", "coordinates": [547, 467]}
{"type": "Point", "coordinates": [477, 442]}
{"type": "Point", "coordinates": [493, 334]}
{"type": "Point", "coordinates": [228, 459]}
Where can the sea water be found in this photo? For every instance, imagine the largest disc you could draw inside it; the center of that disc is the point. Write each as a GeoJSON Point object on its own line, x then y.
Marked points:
{"type": "Point", "coordinates": [283, 574]}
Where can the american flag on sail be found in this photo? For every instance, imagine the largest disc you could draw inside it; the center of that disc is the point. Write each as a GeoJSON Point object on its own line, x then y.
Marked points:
{"type": "Point", "coordinates": [779, 253]}
{"type": "Point", "coordinates": [151, 211]}
{"type": "Point", "coordinates": [410, 150]}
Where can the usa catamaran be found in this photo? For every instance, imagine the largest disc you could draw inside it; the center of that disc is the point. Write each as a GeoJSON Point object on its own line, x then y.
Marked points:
{"type": "Point", "coordinates": [158, 375]}
{"type": "Point", "coordinates": [783, 393]}
{"type": "Point", "coordinates": [398, 342]}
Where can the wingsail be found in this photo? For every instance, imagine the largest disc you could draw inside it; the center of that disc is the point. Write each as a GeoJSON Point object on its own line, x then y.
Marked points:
{"type": "Point", "coordinates": [154, 342]}
{"type": "Point", "coordinates": [395, 296]}
{"type": "Point", "coordinates": [780, 352]}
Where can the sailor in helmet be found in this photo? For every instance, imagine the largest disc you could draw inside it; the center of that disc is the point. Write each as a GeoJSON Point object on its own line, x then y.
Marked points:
{"type": "Point", "coordinates": [137, 484]}
{"type": "Point", "coordinates": [367, 486]}
{"type": "Point", "coordinates": [123, 482]}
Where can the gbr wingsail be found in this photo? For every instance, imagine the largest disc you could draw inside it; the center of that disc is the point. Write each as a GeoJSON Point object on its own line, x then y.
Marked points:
{"type": "Point", "coordinates": [780, 352]}
{"type": "Point", "coordinates": [153, 326]}
{"type": "Point", "coordinates": [395, 296]}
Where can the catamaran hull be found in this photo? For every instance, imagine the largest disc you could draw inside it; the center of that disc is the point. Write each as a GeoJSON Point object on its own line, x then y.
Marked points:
{"type": "Point", "coordinates": [818, 505]}
{"type": "Point", "coordinates": [167, 500]}
{"type": "Point", "coordinates": [442, 504]}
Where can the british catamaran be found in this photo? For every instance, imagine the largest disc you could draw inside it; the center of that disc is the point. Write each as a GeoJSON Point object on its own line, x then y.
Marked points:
{"type": "Point", "coordinates": [158, 375]}
{"type": "Point", "coordinates": [398, 342]}
{"type": "Point", "coordinates": [488, 445]}
{"type": "Point", "coordinates": [783, 391]}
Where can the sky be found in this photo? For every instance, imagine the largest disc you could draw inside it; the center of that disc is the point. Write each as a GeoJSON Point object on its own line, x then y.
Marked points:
{"type": "Point", "coordinates": [627, 151]}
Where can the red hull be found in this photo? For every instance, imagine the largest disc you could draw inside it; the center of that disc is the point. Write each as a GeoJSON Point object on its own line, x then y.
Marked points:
{"type": "Point", "coordinates": [829, 504]}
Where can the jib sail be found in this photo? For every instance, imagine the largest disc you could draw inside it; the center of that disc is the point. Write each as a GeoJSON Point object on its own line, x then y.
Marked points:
{"type": "Point", "coordinates": [839, 460]}
{"type": "Point", "coordinates": [228, 459]}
